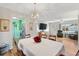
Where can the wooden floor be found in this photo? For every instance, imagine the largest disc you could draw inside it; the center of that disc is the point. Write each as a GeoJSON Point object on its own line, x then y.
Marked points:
{"type": "Point", "coordinates": [69, 45]}
{"type": "Point", "coordinates": [14, 52]}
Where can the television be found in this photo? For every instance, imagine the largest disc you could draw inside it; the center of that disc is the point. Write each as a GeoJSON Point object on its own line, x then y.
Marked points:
{"type": "Point", "coordinates": [42, 26]}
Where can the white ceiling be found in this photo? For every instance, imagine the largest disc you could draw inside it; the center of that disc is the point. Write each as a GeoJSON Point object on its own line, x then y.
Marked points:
{"type": "Point", "coordinates": [45, 10]}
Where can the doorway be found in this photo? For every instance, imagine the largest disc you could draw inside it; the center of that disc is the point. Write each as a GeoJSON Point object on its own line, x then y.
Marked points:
{"type": "Point", "coordinates": [18, 28]}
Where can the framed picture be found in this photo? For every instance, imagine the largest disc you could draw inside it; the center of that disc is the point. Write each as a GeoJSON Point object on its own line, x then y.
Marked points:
{"type": "Point", "coordinates": [4, 25]}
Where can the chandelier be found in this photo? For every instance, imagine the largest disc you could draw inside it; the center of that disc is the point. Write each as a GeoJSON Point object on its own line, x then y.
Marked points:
{"type": "Point", "coordinates": [35, 13]}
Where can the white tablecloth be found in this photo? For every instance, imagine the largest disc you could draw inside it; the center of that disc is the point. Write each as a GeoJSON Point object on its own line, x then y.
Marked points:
{"type": "Point", "coordinates": [44, 48]}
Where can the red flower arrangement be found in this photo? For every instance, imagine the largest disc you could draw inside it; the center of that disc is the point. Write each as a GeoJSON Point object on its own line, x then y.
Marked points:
{"type": "Point", "coordinates": [37, 39]}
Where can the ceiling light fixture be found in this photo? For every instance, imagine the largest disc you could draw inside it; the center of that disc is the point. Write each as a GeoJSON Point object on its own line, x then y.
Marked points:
{"type": "Point", "coordinates": [35, 13]}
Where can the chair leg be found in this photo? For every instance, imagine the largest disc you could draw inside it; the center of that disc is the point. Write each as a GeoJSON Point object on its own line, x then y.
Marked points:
{"type": "Point", "coordinates": [77, 54]}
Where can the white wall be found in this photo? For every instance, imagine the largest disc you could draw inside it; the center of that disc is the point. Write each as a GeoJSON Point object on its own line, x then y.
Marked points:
{"type": "Point", "coordinates": [7, 37]}
{"type": "Point", "coordinates": [78, 32]}
{"type": "Point", "coordinates": [53, 28]}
